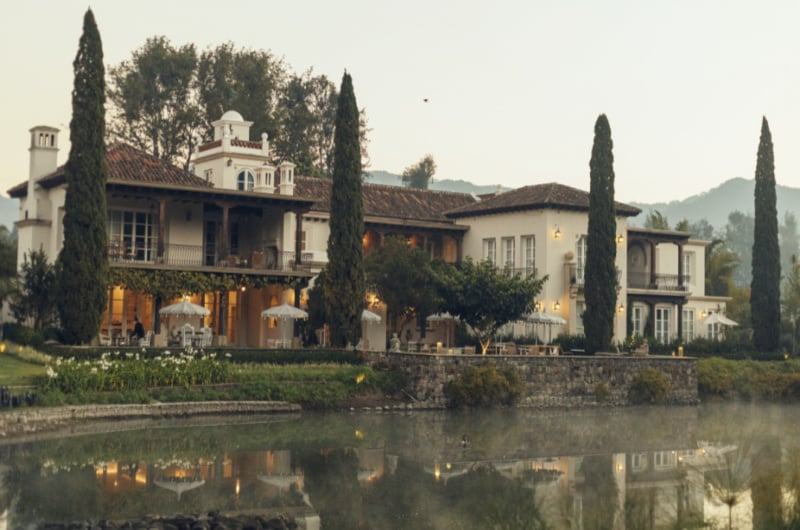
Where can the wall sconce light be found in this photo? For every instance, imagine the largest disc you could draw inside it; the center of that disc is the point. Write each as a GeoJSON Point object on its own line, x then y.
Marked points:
{"type": "Point", "coordinates": [557, 233]}
{"type": "Point", "coordinates": [537, 306]}
{"type": "Point", "coordinates": [619, 468]}
{"type": "Point", "coordinates": [243, 288]}
{"type": "Point", "coordinates": [620, 239]}
{"type": "Point", "coordinates": [230, 162]}
{"type": "Point", "coordinates": [556, 306]}
{"type": "Point", "coordinates": [621, 308]}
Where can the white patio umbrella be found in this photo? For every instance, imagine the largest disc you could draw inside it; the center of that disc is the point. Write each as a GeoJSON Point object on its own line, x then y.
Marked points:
{"type": "Point", "coordinates": [716, 318]}
{"type": "Point", "coordinates": [547, 319]}
{"type": "Point", "coordinates": [283, 313]}
{"type": "Point", "coordinates": [369, 316]}
{"type": "Point", "coordinates": [186, 309]}
{"type": "Point", "coordinates": [445, 317]}
{"type": "Point", "coordinates": [178, 485]}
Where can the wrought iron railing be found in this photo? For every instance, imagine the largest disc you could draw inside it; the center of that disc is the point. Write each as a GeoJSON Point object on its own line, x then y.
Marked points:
{"type": "Point", "coordinates": [198, 256]}
{"type": "Point", "coordinates": [663, 282]}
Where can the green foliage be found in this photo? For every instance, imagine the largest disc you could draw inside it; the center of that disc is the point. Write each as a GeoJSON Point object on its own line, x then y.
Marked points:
{"type": "Point", "coordinates": [570, 342]}
{"type": "Point", "coordinates": [464, 287]}
{"type": "Point", "coordinates": [602, 392]}
{"type": "Point", "coordinates": [721, 264]}
{"type": "Point", "coordinates": [749, 380]}
{"type": "Point", "coordinates": [601, 249]}
{"type": "Point", "coordinates": [791, 300]}
{"type": "Point", "coordinates": [649, 386]}
{"type": "Point", "coordinates": [82, 284]}
{"type": "Point", "coordinates": [127, 372]}
{"type": "Point", "coordinates": [151, 98]}
{"type": "Point", "coordinates": [484, 386]}
{"type": "Point", "coordinates": [419, 175]}
{"type": "Point", "coordinates": [345, 287]}
{"type": "Point", "coordinates": [655, 219]}
{"type": "Point", "coordinates": [765, 285]}
{"type": "Point", "coordinates": [8, 262]}
{"type": "Point", "coordinates": [168, 284]}
{"type": "Point", "coordinates": [34, 298]}
{"type": "Point", "coordinates": [404, 278]}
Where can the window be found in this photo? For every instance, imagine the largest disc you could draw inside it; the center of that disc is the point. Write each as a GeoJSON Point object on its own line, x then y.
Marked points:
{"type": "Point", "coordinates": [508, 251]}
{"type": "Point", "coordinates": [529, 254]}
{"type": "Point", "coordinates": [489, 250]}
{"type": "Point", "coordinates": [580, 309]}
{"type": "Point", "coordinates": [688, 325]}
{"type": "Point", "coordinates": [638, 461]}
{"type": "Point", "coordinates": [130, 235]}
{"type": "Point", "coordinates": [688, 260]}
{"type": "Point", "coordinates": [662, 324]}
{"type": "Point", "coordinates": [665, 459]}
{"type": "Point", "coordinates": [245, 181]}
{"type": "Point", "coordinates": [637, 320]}
{"type": "Point", "coordinates": [580, 252]}
{"type": "Point", "coordinates": [713, 331]}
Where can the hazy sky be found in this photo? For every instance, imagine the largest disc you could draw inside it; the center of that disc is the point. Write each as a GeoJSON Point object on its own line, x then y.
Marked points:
{"type": "Point", "coordinates": [513, 88]}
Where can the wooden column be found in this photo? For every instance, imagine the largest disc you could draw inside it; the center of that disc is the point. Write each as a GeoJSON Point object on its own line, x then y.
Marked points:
{"type": "Point", "coordinates": [162, 223]}
{"type": "Point", "coordinates": [680, 264]}
{"type": "Point", "coordinates": [298, 239]}
{"type": "Point", "coordinates": [652, 264]}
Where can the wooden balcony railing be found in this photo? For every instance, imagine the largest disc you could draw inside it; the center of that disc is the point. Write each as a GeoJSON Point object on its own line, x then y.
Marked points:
{"type": "Point", "coordinates": [198, 256]}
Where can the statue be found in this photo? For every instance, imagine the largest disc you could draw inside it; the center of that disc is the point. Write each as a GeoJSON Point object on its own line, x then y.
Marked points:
{"type": "Point", "coordinates": [395, 342]}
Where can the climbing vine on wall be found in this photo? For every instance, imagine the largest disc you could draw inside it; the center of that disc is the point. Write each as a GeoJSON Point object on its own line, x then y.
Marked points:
{"type": "Point", "coordinates": [168, 284]}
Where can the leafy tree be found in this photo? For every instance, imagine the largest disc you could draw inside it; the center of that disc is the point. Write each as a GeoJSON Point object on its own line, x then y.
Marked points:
{"type": "Point", "coordinates": [307, 110]}
{"type": "Point", "coordinates": [701, 229]}
{"type": "Point", "coordinates": [8, 263]}
{"type": "Point", "coordinates": [789, 242]}
{"type": "Point", "coordinates": [247, 81]}
{"type": "Point", "coordinates": [153, 100]}
{"type": "Point", "coordinates": [601, 250]}
{"type": "Point", "coordinates": [345, 288]}
{"type": "Point", "coordinates": [404, 278]}
{"type": "Point", "coordinates": [791, 299]}
{"type": "Point", "coordinates": [34, 296]}
{"type": "Point", "coordinates": [655, 219]}
{"type": "Point", "coordinates": [765, 286]}
{"type": "Point", "coordinates": [721, 264]}
{"type": "Point", "coordinates": [419, 175]}
{"type": "Point", "coordinates": [739, 240]}
{"type": "Point", "coordinates": [485, 298]}
{"type": "Point", "coordinates": [84, 256]}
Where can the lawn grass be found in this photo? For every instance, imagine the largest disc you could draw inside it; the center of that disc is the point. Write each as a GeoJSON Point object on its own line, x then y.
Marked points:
{"type": "Point", "coordinates": [15, 372]}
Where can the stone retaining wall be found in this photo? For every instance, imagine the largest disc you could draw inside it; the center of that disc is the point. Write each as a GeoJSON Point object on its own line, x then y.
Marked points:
{"type": "Point", "coordinates": [550, 382]}
{"type": "Point", "coordinates": [33, 420]}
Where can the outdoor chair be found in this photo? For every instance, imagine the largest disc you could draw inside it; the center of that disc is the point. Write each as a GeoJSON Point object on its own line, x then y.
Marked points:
{"type": "Point", "coordinates": [207, 336]}
{"type": "Point", "coordinates": [147, 340]}
{"type": "Point", "coordinates": [187, 331]}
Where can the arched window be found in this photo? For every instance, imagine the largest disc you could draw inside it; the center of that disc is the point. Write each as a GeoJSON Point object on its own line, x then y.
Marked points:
{"type": "Point", "coordinates": [245, 181]}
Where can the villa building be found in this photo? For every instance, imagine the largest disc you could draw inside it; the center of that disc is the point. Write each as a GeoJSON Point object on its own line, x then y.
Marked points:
{"type": "Point", "coordinates": [255, 234]}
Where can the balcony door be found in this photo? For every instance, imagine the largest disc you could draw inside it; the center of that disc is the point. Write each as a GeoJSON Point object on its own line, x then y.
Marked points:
{"type": "Point", "coordinates": [210, 243]}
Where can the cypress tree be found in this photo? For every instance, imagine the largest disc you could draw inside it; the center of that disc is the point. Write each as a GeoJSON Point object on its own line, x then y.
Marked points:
{"type": "Point", "coordinates": [84, 256]}
{"type": "Point", "coordinates": [345, 284]}
{"type": "Point", "coordinates": [600, 285]}
{"type": "Point", "coordinates": [765, 285]}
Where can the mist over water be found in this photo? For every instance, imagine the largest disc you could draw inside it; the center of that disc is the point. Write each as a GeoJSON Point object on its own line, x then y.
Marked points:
{"type": "Point", "coordinates": [635, 468]}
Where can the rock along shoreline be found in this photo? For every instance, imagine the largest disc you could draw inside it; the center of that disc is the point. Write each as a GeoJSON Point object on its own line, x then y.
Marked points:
{"type": "Point", "coordinates": [20, 423]}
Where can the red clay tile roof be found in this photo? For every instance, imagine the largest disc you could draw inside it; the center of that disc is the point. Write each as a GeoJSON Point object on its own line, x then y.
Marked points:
{"type": "Point", "coordinates": [126, 164]}
{"type": "Point", "coordinates": [388, 201]}
{"type": "Point", "coordinates": [210, 145]}
{"type": "Point", "coordinates": [245, 143]}
{"type": "Point", "coordinates": [535, 197]}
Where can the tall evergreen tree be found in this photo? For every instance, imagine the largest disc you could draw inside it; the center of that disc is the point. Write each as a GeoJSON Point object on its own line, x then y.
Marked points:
{"type": "Point", "coordinates": [765, 296]}
{"type": "Point", "coordinates": [84, 256]}
{"type": "Point", "coordinates": [345, 285]}
{"type": "Point", "coordinates": [601, 249]}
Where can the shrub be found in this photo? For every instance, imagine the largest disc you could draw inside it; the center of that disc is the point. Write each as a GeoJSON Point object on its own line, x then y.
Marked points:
{"type": "Point", "coordinates": [570, 342]}
{"type": "Point", "coordinates": [649, 386]}
{"type": "Point", "coordinates": [602, 393]}
{"type": "Point", "coordinates": [484, 386]}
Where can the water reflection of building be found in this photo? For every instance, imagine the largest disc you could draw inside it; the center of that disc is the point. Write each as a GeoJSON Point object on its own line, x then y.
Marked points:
{"type": "Point", "coordinates": [650, 490]}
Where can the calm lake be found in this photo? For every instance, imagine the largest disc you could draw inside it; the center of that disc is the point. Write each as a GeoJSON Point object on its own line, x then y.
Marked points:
{"type": "Point", "coordinates": [637, 468]}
